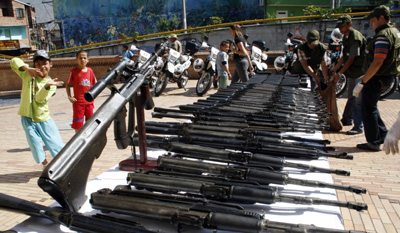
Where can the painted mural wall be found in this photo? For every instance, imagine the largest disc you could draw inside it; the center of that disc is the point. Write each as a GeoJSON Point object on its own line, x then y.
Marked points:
{"type": "Point", "coordinates": [94, 21]}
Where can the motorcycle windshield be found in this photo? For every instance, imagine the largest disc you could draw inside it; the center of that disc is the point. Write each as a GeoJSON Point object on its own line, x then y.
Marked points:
{"type": "Point", "coordinates": [213, 54]}
{"type": "Point", "coordinates": [173, 55]}
{"type": "Point", "coordinates": [255, 53]}
{"type": "Point", "coordinates": [143, 56]}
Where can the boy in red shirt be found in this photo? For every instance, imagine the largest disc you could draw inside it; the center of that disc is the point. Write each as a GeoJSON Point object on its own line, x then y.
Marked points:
{"type": "Point", "coordinates": [82, 79]}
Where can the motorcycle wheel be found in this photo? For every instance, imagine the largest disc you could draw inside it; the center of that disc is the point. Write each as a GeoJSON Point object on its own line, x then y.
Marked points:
{"type": "Point", "coordinates": [392, 88]}
{"type": "Point", "coordinates": [341, 86]}
{"type": "Point", "coordinates": [161, 84]}
{"type": "Point", "coordinates": [183, 80]}
{"type": "Point", "coordinates": [204, 83]}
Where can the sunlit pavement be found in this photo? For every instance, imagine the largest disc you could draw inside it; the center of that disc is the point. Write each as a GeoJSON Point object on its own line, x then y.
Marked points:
{"type": "Point", "coordinates": [376, 171]}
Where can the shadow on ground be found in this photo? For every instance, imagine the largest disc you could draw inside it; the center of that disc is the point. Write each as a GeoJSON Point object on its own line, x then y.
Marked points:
{"type": "Point", "coordinates": [22, 177]}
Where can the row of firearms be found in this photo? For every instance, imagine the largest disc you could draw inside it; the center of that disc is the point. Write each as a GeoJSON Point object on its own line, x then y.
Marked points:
{"type": "Point", "coordinates": [232, 151]}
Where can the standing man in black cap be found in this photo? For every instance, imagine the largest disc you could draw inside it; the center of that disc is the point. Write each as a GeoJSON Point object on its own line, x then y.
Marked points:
{"type": "Point", "coordinates": [354, 45]}
{"type": "Point", "coordinates": [311, 54]}
{"type": "Point", "coordinates": [383, 61]}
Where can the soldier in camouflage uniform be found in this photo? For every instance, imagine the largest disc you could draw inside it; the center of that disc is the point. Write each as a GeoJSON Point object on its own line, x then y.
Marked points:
{"type": "Point", "coordinates": [383, 65]}
{"type": "Point", "coordinates": [311, 55]}
{"type": "Point", "coordinates": [354, 45]}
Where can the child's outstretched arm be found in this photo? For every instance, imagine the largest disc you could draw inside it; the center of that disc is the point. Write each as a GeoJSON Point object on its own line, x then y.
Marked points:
{"type": "Point", "coordinates": [48, 90]}
{"type": "Point", "coordinates": [54, 82]}
{"type": "Point", "coordinates": [33, 72]}
{"type": "Point", "coordinates": [19, 66]}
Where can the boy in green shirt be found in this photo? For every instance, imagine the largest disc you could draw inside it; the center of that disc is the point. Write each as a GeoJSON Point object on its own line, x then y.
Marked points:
{"type": "Point", "coordinates": [37, 89]}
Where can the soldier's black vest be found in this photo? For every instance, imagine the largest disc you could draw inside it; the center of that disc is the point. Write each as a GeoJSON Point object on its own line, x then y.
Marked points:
{"type": "Point", "coordinates": [357, 67]}
{"type": "Point", "coordinates": [314, 57]}
{"type": "Point", "coordinates": [391, 65]}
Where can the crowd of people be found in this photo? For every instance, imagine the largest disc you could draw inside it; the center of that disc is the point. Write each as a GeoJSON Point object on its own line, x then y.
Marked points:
{"type": "Point", "coordinates": [369, 68]}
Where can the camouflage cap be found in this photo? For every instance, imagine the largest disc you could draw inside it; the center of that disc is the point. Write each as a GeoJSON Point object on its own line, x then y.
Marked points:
{"type": "Point", "coordinates": [313, 37]}
{"type": "Point", "coordinates": [378, 11]}
{"type": "Point", "coordinates": [342, 20]}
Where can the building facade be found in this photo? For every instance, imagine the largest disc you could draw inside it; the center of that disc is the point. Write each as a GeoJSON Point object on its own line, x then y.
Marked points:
{"type": "Point", "coordinates": [290, 8]}
{"type": "Point", "coordinates": [16, 20]}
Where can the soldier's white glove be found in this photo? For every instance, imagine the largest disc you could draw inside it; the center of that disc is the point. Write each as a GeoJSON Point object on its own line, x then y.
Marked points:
{"type": "Point", "coordinates": [392, 138]}
{"type": "Point", "coordinates": [357, 89]}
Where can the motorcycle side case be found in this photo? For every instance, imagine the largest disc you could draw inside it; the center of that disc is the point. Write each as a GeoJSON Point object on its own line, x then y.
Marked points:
{"type": "Point", "coordinates": [192, 47]}
{"type": "Point", "coordinates": [259, 44]}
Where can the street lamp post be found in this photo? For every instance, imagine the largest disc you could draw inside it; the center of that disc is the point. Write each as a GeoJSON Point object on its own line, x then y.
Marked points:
{"type": "Point", "coordinates": [184, 14]}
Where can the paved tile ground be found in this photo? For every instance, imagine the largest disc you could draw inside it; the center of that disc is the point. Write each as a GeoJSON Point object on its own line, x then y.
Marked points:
{"type": "Point", "coordinates": [376, 171]}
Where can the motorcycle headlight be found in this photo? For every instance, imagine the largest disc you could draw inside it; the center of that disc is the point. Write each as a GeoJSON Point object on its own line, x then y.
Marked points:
{"type": "Point", "coordinates": [184, 58]}
{"type": "Point", "coordinates": [178, 69]}
{"type": "Point", "coordinates": [279, 63]}
{"type": "Point", "coordinates": [328, 61]}
{"type": "Point", "coordinates": [198, 65]}
{"type": "Point", "coordinates": [158, 65]}
{"type": "Point", "coordinates": [336, 35]}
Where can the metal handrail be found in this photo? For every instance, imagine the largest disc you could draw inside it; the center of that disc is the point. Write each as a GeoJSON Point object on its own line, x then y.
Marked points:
{"type": "Point", "coordinates": [214, 26]}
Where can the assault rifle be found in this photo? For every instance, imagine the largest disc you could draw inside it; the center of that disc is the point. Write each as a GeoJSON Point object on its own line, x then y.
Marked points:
{"type": "Point", "coordinates": [75, 221]}
{"type": "Point", "coordinates": [66, 175]}
{"type": "Point", "coordinates": [244, 136]}
{"type": "Point", "coordinates": [244, 173]}
{"type": "Point", "coordinates": [258, 95]}
{"type": "Point", "coordinates": [214, 188]}
{"type": "Point", "coordinates": [241, 158]}
{"type": "Point", "coordinates": [198, 212]}
{"type": "Point", "coordinates": [245, 131]}
{"type": "Point", "coordinates": [250, 121]}
{"type": "Point", "coordinates": [210, 144]}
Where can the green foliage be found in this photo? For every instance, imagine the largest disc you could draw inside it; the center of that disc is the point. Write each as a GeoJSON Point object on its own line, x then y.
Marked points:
{"type": "Point", "coordinates": [271, 16]}
{"type": "Point", "coordinates": [216, 20]}
{"type": "Point", "coordinates": [175, 23]}
{"type": "Point", "coordinates": [165, 24]}
{"type": "Point", "coordinates": [324, 12]}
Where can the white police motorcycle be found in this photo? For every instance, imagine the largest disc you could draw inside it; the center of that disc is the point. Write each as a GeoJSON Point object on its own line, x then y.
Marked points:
{"type": "Point", "coordinates": [175, 69]}
{"type": "Point", "coordinates": [258, 57]}
{"type": "Point", "coordinates": [207, 71]}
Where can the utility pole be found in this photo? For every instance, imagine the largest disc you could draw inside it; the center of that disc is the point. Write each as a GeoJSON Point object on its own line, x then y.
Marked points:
{"type": "Point", "coordinates": [184, 14]}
